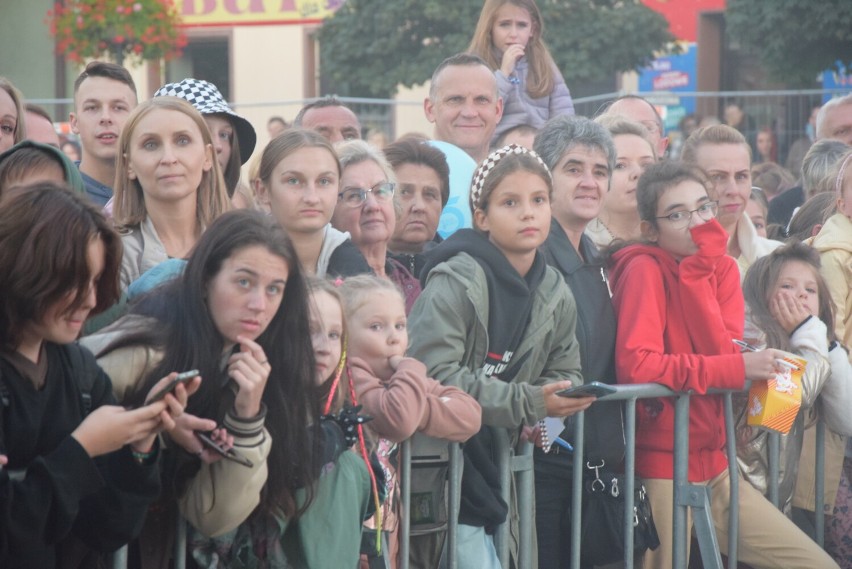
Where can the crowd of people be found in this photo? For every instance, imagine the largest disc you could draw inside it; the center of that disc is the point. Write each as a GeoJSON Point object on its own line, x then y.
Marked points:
{"type": "Point", "coordinates": [322, 320]}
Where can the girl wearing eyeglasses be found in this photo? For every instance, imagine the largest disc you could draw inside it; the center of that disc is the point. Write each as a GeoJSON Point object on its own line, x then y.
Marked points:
{"type": "Point", "coordinates": [299, 180]}
{"type": "Point", "coordinates": [365, 208]}
{"type": "Point", "coordinates": [679, 305]}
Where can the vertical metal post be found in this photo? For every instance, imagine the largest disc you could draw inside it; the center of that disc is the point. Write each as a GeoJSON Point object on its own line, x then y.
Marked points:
{"type": "Point", "coordinates": [525, 477]}
{"type": "Point", "coordinates": [819, 506]}
{"type": "Point", "coordinates": [453, 505]}
{"type": "Point", "coordinates": [630, 476]}
{"type": "Point", "coordinates": [681, 470]}
{"type": "Point", "coordinates": [504, 460]}
{"type": "Point", "coordinates": [405, 519]}
{"type": "Point", "coordinates": [119, 559]}
{"type": "Point", "coordinates": [734, 476]}
{"type": "Point", "coordinates": [180, 542]}
{"type": "Point", "coordinates": [774, 440]}
{"type": "Point", "coordinates": [577, 488]}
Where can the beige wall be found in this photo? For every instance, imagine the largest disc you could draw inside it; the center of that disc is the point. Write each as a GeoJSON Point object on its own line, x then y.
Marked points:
{"type": "Point", "coordinates": [409, 116]}
{"type": "Point", "coordinates": [267, 64]}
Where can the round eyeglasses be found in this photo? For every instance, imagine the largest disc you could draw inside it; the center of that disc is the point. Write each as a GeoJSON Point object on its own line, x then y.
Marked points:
{"type": "Point", "coordinates": [355, 197]}
{"type": "Point", "coordinates": [681, 219]}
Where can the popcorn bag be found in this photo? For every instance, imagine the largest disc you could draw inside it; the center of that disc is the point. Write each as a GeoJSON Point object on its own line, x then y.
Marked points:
{"type": "Point", "coordinates": [774, 404]}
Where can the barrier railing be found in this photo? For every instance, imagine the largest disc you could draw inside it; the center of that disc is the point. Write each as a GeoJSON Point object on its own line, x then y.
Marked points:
{"type": "Point", "coordinates": [518, 462]}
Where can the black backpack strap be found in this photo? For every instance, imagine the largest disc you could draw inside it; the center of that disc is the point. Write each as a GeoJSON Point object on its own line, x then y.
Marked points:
{"type": "Point", "coordinates": [84, 373]}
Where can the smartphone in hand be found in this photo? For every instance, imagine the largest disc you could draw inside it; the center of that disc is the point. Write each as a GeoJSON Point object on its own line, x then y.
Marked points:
{"type": "Point", "coordinates": [229, 454]}
{"type": "Point", "coordinates": [184, 378]}
{"type": "Point", "coordinates": [593, 389]}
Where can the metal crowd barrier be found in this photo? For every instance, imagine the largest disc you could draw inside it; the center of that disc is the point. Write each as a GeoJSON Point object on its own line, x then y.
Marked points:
{"type": "Point", "coordinates": [518, 462]}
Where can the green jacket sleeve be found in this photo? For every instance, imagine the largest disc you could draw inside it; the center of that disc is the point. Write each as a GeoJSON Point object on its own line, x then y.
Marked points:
{"type": "Point", "coordinates": [563, 360]}
{"type": "Point", "coordinates": [448, 337]}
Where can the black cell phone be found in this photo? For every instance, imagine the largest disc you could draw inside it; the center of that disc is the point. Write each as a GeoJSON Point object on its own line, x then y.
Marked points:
{"type": "Point", "coordinates": [229, 454]}
{"type": "Point", "coordinates": [184, 378]}
{"type": "Point", "coordinates": [593, 389]}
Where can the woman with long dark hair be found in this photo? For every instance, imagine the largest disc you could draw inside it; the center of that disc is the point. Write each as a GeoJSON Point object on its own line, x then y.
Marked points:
{"type": "Point", "coordinates": [239, 314]}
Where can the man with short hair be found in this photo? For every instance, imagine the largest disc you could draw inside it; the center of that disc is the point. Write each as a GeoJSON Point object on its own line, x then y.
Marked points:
{"type": "Point", "coordinates": [464, 104]}
{"type": "Point", "coordinates": [639, 109]}
{"type": "Point", "coordinates": [834, 120]}
{"type": "Point", "coordinates": [725, 156]}
{"type": "Point", "coordinates": [104, 96]}
{"type": "Point", "coordinates": [40, 126]}
{"type": "Point", "coordinates": [331, 118]}
{"type": "Point", "coordinates": [275, 126]}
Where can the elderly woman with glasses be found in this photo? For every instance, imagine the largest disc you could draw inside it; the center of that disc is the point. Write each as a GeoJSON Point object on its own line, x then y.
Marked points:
{"type": "Point", "coordinates": [365, 208]}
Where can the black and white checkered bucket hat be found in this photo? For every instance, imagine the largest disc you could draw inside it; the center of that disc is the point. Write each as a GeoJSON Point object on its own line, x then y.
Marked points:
{"type": "Point", "coordinates": [207, 100]}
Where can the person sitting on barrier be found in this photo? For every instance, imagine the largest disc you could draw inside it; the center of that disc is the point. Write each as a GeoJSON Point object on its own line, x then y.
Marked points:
{"type": "Point", "coordinates": [496, 321]}
{"type": "Point", "coordinates": [789, 308]}
{"type": "Point", "coordinates": [239, 314]}
{"type": "Point", "coordinates": [78, 471]}
{"type": "Point", "coordinates": [508, 37]}
{"type": "Point", "coordinates": [679, 305]}
{"type": "Point", "coordinates": [395, 390]}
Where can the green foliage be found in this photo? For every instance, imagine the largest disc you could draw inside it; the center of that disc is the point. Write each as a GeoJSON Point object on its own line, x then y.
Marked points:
{"type": "Point", "coordinates": [795, 40]}
{"type": "Point", "coordinates": [370, 46]}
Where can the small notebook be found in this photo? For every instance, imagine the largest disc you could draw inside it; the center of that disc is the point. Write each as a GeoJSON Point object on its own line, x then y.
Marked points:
{"type": "Point", "coordinates": [551, 427]}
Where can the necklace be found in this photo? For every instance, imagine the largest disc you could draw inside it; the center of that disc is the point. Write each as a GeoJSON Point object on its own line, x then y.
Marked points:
{"type": "Point", "coordinates": [606, 228]}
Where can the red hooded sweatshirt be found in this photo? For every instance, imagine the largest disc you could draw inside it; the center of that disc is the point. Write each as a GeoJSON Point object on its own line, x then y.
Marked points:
{"type": "Point", "coordinates": [676, 321]}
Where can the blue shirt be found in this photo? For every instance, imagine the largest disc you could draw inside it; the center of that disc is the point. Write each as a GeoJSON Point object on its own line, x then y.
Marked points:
{"type": "Point", "coordinates": [97, 192]}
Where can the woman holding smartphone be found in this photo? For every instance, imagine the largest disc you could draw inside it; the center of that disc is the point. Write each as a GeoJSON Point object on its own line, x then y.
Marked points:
{"type": "Point", "coordinates": [239, 314]}
{"type": "Point", "coordinates": [77, 472]}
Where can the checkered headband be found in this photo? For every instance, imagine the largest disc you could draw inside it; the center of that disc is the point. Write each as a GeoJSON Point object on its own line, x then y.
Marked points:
{"type": "Point", "coordinates": [207, 100]}
{"type": "Point", "coordinates": [488, 165]}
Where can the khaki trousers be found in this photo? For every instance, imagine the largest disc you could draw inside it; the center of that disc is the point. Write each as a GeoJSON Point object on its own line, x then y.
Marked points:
{"type": "Point", "coordinates": [767, 538]}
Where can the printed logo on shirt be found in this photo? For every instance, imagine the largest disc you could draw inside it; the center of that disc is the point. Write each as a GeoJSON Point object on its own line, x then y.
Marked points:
{"type": "Point", "coordinates": [495, 364]}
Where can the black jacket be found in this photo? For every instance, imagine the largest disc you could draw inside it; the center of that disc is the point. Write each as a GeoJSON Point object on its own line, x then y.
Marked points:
{"type": "Point", "coordinates": [596, 326]}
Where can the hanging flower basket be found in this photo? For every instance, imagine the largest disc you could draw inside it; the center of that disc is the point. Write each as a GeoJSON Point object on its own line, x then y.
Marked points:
{"type": "Point", "coordinates": [125, 30]}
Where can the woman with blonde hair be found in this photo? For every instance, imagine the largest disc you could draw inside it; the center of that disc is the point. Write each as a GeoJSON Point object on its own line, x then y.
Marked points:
{"type": "Point", "coordinates": [12, 129]}
{"type": "Point", "coordinates": [619, 213]}
{"type": "Point", "coordinates": [168, 185]}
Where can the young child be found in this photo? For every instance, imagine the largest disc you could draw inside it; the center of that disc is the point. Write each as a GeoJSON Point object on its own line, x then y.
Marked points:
{"type": "Point", "coordinates": [78, 471]}
{"type": "Point", "coordinates": [508, 37]}
{"type": "Point", "coordinates": [679, 305]}
{"type": "Point", "coordinates": [344, 491]}
{"type": "Point", "coordinates": [497, 322]}
{"type": "Point", "coordinates": [789, 308]}
{"type": "Point", "coordinates": [757, 209]}
{"type": "Point", "coordinates": [395, 390]}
